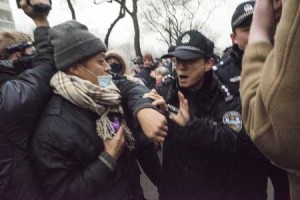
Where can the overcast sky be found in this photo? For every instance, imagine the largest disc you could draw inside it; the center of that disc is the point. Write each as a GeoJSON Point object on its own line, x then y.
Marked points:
{"type": "Point", "coordinates": [99, 17]}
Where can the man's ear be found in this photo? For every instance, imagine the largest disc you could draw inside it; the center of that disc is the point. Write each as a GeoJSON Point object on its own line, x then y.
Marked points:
{"type": "Point", "coordinates": [209, 63]}
{"type": "Point", "coordinates": [233, 38]}
{"type": "Point", "coordinates": [73, 69]}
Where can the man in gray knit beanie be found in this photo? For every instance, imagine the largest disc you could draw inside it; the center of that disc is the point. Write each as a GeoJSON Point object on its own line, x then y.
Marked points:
{"type": "Point", "coordinates": [73, 43]}
{"type": "Point", "coordinates": [83, 132]}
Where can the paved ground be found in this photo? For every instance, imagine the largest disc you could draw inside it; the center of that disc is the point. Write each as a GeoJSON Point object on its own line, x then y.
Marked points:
{"type": "Point", "coordinates": [150, 190]}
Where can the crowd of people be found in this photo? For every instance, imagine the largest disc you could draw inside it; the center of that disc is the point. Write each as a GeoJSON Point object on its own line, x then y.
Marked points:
{"type": "Point", "coordinates": [77, 122]}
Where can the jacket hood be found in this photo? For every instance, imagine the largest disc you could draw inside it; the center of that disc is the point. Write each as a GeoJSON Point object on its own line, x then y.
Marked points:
{"type": "Point", "coordinates": [120, 57]}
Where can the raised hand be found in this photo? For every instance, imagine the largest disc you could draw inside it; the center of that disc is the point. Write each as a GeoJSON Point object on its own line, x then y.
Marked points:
{"type": "Point", "coordinates": [39, 18]}
{"type": "Point", "coordinates": [265, 17]}
{"type": "Point", "coordinates": [183, 116]}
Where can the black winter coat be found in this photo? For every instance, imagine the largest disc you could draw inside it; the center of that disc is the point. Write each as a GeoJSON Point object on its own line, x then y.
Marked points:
{"type": "Point", "coordinates": [21, 102]}
{"type": "Point", "coordinates": [66, 149]}
{"type": "Point", "coordinates": [197, 158]}
{"type": "Point", "coordinates": [253, 169]}
{"type": "Point", "coordinates": [7, 72]}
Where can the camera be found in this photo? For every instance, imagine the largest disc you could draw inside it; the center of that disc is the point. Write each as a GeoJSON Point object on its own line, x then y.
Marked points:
{"type": "Point", "coordinates": [21, 46]}
{"type": "Point", "coordinates": [40, 7]}
{"type": "Point", "coordinates": [137, 61]}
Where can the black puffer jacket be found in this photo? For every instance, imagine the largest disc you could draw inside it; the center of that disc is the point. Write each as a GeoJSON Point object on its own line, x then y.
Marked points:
{"type": "Point", "coordinates": [198, 158]}
{"type": "Point", "coordinates": [7, 72]}
{"type": "Point", "coordinates": [21, 102]}
{"type": "Point", "coordinates": [66, 149]}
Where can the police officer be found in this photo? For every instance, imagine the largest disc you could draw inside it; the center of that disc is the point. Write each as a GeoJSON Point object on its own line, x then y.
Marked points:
{"type": "Point", "coordinates": [171, 63]}
{"type": "Point", "coordinates": [199, 148]}
{"type": "Point", "coordinates": [253, 169]}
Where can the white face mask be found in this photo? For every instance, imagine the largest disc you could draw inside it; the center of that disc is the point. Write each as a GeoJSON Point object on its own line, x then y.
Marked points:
{"type": "Point", "coordinates": [103, 80]}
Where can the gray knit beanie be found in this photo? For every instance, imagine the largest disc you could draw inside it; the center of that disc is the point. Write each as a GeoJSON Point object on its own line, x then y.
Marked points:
{"type": "Point", "coordinates": [73, 43]}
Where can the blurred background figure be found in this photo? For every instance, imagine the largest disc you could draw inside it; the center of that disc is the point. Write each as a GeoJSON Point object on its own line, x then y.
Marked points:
{"type": "Point", "coordinates": [16, 50]}
{"type": "Point", "coordinates": [137, 65]}
{"type": "Point", "coordinates": [119, 65]}
{"type": "Point", "coordinates": [171, 62]}
{"type": "Point", "coordinates": [160, 73]}
{"type": "Point", "coordinates": [145, 73]}
{"type": "Point", "coordinates": [116, 61]}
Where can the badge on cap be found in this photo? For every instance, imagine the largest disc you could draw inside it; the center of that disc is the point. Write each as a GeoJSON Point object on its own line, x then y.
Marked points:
{"type": "Point", "coordinates": [248, 7]}
{"type": "Point", "coordinates": [186, 39]}
{"type": "Point", "coordinates": [233, 120]}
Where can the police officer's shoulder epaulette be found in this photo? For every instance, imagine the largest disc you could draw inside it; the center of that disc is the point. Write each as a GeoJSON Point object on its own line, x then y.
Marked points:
{"type": "Point", "coordinates": [223, 88]}
{"type": "Point", "coordinates": [222, 63]}
{"type": "Point", "coordinates": [228, 96]}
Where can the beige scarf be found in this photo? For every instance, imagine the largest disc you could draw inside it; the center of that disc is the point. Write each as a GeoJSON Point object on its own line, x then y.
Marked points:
{"type": "Point", "coordinates": [89, 96]}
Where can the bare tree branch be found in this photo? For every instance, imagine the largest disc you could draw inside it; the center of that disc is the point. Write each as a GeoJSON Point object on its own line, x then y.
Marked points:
{"type": "Point", "coordinates": [150, 20]}
{"type": "Point", "coordinates": [124, 6]}
{"type": "Point", "coordinates": [120, 16]}
{"type": "Point", "coordinates": [135, 21]}
{"type": "Point", "coordinates": [70, 5]}
{"type": "Point", "coordinates": [173, 17]}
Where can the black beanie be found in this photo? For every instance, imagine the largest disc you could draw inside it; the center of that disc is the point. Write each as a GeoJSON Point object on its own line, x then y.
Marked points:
{"type": "Point", "coordinates": [73, 43]}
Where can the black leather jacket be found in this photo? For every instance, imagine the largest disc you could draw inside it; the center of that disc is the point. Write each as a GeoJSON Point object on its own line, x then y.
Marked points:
{"type": "Point", "coordinates": [66, 149]}
{"type": "Point", "coordinates": [21, 102]}
{"type": "Point", "coordinates": [197, 158]}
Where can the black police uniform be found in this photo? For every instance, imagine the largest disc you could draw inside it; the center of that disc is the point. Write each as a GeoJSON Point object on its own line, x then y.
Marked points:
{"type": "Point", "coordinates": [253, 169]}
{"type": "Point", "coordinates": [229, 70]}
{"type": "Point", "coordinates": [198, 158]}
